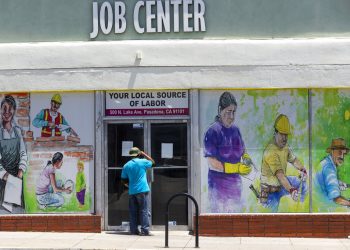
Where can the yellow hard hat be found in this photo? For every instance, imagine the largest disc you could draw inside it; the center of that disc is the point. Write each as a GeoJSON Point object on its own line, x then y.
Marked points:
{"type": "Point", "coordinates": [282, 124]}
{"type": "Point", "coordinates": [57, 98]}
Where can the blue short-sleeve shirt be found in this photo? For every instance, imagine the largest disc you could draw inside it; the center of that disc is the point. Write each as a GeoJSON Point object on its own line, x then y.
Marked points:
{"type": "Point", "coordinates": [136, 171]}
{"type": "Point", "coordinates": [328, 179]}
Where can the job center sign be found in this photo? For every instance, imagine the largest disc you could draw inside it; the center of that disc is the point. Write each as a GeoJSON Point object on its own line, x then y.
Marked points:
{"type": "Point", "coordinates": [151, 16]}
{"type": "Point", "coordinates": [147, 103]}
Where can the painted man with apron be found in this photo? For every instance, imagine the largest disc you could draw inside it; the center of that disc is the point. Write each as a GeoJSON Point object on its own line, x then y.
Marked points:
{"type": "Point", "coordinates": [13, 160]}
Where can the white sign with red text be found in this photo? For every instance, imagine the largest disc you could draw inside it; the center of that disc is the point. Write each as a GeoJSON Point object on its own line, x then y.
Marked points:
{"type": "Point", "coordinates": [147, 103]}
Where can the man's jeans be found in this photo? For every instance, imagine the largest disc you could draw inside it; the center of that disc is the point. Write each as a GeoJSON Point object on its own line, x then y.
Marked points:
{"type": "Point", "coordinates": [273, 200]}
{"type": "Point", "coordinates": [138, 208]}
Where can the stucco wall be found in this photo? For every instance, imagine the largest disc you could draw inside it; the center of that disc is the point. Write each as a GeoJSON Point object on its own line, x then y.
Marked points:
{"type": "Point", "coordinates": [186, 64]}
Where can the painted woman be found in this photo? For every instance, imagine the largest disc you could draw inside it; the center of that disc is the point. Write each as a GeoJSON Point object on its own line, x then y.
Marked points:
{"type": "Point", "coordinates": [225, 151]}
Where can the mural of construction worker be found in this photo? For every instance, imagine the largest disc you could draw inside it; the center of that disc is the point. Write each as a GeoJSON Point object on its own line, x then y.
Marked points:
{"type": "Point", "coordinates": [13, 158]}
{"type": "Point", "coordinates": [276, 156]}
{"type": "Point", "coordinates": [327, 179]}
{"type": "Point", "coordinates": [52, 122]}
{"type": "Point", "coordinates": [225, 151]}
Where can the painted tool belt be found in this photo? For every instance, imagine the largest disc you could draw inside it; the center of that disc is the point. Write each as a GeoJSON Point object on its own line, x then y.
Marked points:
{"type": "Point", "coordinates": [266, 189]}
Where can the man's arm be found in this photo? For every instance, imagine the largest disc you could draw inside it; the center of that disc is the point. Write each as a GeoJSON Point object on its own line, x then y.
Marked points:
{"type": "Point", "coordinates": [23, 156]}
{"type": "Point", "coordinates": [3, 173]}
{"type": "Point", "coordinates": [342, 201]}
{"type": "Point", "coordinates": [147, 157]}
{"type": "Point", "coordinates": [292, 159]}
{"type": "Point", "coordinates": [67, 127]}
{"type": "Point", "coordinates": [124, 178]}
{"type": "Point", "coordinates": [298, 165]}
{"type": "Point", "coordinates": [38, 121]}
{"type": "Point", "coordinates": [283, 179]}
{"type": "Point", "coordinates": [285, 183]}
{"type": "Point", "coordinates": [125, 182]}
{"type": "Point", "coordinates": [331, 184]}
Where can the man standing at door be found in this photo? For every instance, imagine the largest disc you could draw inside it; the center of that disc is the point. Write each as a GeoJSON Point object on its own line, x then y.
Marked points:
{"type": "Point", "coordinates": [135, 174]}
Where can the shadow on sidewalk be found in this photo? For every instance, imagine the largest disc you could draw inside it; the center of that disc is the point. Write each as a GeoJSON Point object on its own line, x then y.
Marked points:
{"type": "Point", "coordinates": [118, 232]}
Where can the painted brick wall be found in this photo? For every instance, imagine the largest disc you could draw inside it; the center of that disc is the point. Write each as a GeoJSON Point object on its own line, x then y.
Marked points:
{"type": "Point", "coordinates": [284, 225]}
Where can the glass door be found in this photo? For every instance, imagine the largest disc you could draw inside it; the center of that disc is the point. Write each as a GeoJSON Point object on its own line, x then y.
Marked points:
{"type": "Point", "coordinates": [169, 149]}
{"type": "Point", "coordinates": [167, 143]}
{"type": "Point", "coordinates": [120, 138]}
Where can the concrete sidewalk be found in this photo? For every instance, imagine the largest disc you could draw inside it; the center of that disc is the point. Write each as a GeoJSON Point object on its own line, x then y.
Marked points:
{"type": "Point", "coordinates": [177, 240]}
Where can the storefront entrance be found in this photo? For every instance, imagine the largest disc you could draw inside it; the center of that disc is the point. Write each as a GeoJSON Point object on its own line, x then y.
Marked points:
{"type": "Point", "coordinates": [167, 142]}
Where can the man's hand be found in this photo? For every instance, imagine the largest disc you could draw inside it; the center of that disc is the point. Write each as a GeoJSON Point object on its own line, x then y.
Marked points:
{"type": "Point", "coordinates": [73, 133]}
{"type": "Point", "coordinates": [51, 125]}
{"type": "Point", "coordinates": [294, 193]}
{"type": "Point", "coordinates": [6, 175]}
{"type": "Point", "coordinates": [68, 190]}
{"type": "Point", "coordinates": [20, 174]}
{"type": "Point", "coordinates": [125, 182]}
{"type": "Point", "coordinates": [342, 186]}
{"type": "Point", "coordinates": [146, 156]}
{"type": "Point", "coordinates": [303, 174]}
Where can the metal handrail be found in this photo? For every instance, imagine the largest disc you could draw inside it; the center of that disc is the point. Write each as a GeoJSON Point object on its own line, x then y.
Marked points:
{"type": "Point", "coordinates": [167, 217]}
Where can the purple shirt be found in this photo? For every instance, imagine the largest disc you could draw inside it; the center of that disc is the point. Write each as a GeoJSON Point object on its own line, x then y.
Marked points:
{"type": "Point", "coordinates": [224, 144]}
{"type": "Point", "coordinates": [43, 184]}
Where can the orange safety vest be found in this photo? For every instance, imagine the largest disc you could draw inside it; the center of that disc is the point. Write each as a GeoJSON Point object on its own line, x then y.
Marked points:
{"type": "Point", "coordinates": [47, 131]}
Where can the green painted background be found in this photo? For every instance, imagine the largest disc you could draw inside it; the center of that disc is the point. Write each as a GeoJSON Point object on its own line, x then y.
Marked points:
{"type": "Point", "coordinates": [328, 122]}
{"type": "Point", "coordinates": [71, 20]}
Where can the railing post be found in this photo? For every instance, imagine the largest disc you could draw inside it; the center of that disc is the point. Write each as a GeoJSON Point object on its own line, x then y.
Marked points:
{"type": "Point", "coordinates": [167, 217]}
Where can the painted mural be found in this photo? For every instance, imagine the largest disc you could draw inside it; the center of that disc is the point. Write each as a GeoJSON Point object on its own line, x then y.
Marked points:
{"type": "Point", "coordinates": [255, 151]}
{"type": "Point", "coordinates": [254, 147]}
{"type": "Point", "coordinates": [330, 140]}
{"type": "Point", "coordinates": [14, 159]}
{"type": "Point", "coordinates": [46, 165]}
{"type": "Point", "coordinates": [51, 121]}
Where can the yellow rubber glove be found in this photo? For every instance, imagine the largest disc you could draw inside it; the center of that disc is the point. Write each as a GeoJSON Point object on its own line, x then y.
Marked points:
{"type": "Point", "coordinates": [236, 168]}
